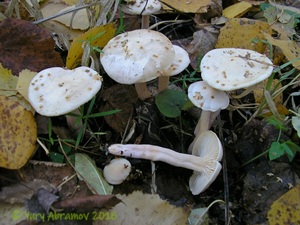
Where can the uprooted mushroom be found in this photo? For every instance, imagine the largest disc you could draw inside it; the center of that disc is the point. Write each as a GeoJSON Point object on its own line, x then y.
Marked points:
{"type": "Point", "coordinates": [207, 152]}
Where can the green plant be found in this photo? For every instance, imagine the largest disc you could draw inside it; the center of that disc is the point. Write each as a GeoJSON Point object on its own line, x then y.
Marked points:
{"type": "Point", "coordinates": [280, 147]}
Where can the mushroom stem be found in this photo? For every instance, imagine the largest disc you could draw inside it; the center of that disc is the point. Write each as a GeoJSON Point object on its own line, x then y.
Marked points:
{"type": "Point", "coordinates": [163, 82]}
{"type": "Point", "coordinates": [145, 22]}
{"type": "Point", "coordinates": [156, 153]}
{"type": "Point", "coordinates": [204, 124]}
{"type": "Point", "coordinates": [142, 90]}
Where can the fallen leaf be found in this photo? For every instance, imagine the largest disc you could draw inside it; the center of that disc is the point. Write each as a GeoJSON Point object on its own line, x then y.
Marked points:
{"type": "Point", "coordinates": [239, 33]}
{"type": "Point", "coordinates": [203, 41]}
{"type": "Point", "coordinates": [18, 134]}
{"type": "Point", "coordinates": [76, 50]}
{"type": "Point", "coordinates": [77, 20]}
{"type": "Point", "coordinates": [122, 97]}
{"type": "Point", "coordinates": [87, 203]}
{"type": "Point", "coordinates": [191, 6]}
{"type": "Point", "coordinates": [8, 82]}
{"type": "Point", "coordinates": [237, 9]}
{"type": "Point", "coordinates": [132, 211]}
{"type": "Point", "coordinates": [25, 77]}
{"type": "Point", "coordinates": [24, 45]}
{"type": "Point", "coordinates": [91, 174]}
{"type": "Point", "coordinates": [20, 192]}
{"type": "Point", "coordinates": [286, 209]}
{"type": "Point", "coordinates": [289, 48]}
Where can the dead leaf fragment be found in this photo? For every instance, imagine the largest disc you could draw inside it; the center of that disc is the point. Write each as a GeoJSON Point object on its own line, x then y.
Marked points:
{"type": "Point", "coordinates": [24, 45]}
{"type": "Point", "coordinates": [239, 33]}
{"type": "Point", "coordinates": [191, 6]}
{"type": "Point", "coordinates": [286, 209]}
{"type": "Point", "coordinates": [237, 10]}
{"type": "Point", "coordinates": [25, 77]}
{"type": "Point", "coordinates": [18, 134]}
{"type": "Point", "coordinates": [7, 82]}
{"type": "Point", "coordinates": [122, 97]}
{"type": "Point", "coordinates": [289, 48]}
{"type": "Point", "coordinates": [76, 49]}
{"type": "Point", "coordinates": [132, 211]}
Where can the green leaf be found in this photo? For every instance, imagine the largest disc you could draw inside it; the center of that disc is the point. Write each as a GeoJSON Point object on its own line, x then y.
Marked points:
{"type": "Point", "coordinates": [296, 124]}
{"type": "Point", "coordinates": [170, 102]}
{"type": "Point", "coordinates": [91, 174]}
{"type": "Point", "coordinates": [275, 122]}
{"type": "Point", "coordinates": [276, 150]}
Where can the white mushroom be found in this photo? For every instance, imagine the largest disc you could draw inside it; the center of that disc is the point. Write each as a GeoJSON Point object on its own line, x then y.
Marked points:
{"type": "Point", "coordinates": [210, 100]}
{"type": "Point", "coordinates": [230, 69]}
{"type": "Point", "coordinates": [208, 151]}
{"type": "Point", "coordinates": [180, 62]}
{"type": "Point", "coordinates": [117, 171]}
{"type": "Point", "coordinates": [137, 57]}
{"type": "Point", "coordinates": [207, 145]}
{"type": "Point", "coordinates": [142, 7]}
{"type": "Point", "coordinates": [57, 91]}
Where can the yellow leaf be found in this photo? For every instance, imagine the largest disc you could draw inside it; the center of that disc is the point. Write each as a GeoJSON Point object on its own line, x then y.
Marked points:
{"type": "Point", "coordinates": [286, 209]}
{"type": "Point", "coordinates": [18, 134]}
{"type": "Point", "coordinates": [237, 10]}
{"type": "Point", "coordinates": [258, 91]}
{"type": "Point", "coordinates": [8, 82]}
{"type": "Point", "coordinates": [239, 32]}
{"type": "Point", "coordinates": [25, 77]}
{"type": "Point", "coordinates": [190, 6]}
{"type": "Point", "coordinates": [76, 50]}
{"type": "Point", "coordinates": [288, 47]}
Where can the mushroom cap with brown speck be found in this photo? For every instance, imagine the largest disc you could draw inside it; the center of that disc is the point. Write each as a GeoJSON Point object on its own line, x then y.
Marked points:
{"type": "Point", "coordinates": [230, 69]}
{"type": "Point", "coordinates": [56, 91]}
{"type": "Point", "coordinates": [137, 56]}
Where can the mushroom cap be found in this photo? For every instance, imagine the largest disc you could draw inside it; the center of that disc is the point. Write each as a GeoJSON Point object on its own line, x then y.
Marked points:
{"type": "Point", "coordinates": [117, 171]}
{"type": "Point", "coordinates": [229, 69]}
{"type": "Point", "coordinates": [141, 7]}
{"type": "Point", "coordinates": [56, 91]}
{"type": "Point", "coordinates": [137, 56]}
{"type": "Point", "coordinates": [210, 148]}
{"type": "Point", "coordinates": [180, 62]}
{"type": "Point", "coordinates": [207, 98]}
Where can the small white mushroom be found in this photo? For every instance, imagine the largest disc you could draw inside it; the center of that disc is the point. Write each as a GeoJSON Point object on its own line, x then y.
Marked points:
{"type": "Point", "coordinates": [210, 100]}
{"type": "Point", "coordinates": [180, 62]}
{"type": "Point", "coordinates": [208, 151]}
{"type": "Point", "coordinates": [117, 171]}
{"type": "Point", "coordinates": [142, 7]}
{"type": "Point", "coordinates": [137, 57]}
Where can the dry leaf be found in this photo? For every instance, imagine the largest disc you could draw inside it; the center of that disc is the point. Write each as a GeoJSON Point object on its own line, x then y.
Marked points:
{"type": "Point", "coordinates": [18, 134]}
{"type": "Point", "coordinates": [76, 50]}
{"type": "Point", "coordinates": [122, 97]}
{"type": "Point", "coordinates": [25, 77]}
{"type": "Point", "coordinates": [138, 209]}
{"type": "Point", "coordinates": [24, 45]}
{"type": "Point", "coordinates": [203, 41]}
{"type": "Point", "coordinates": [79, 20]}
{"type": "Point", "coordinates": [237, 10]}
{"type": "Point", "coordinates": [286, 209]}
{"type": "Point", "coordinates": [238, 33]}
{"type": "Point", "coordinates": [191, 6]}
{"type": "Point", "coordinates": [289, 48]}
{"type": "Point", "coordinates": [7, 82]}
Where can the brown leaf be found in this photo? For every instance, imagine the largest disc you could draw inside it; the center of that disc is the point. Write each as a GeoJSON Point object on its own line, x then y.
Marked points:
{"type": "Point", "coordinates": [24, 45]}
{"type": "Point", "coordinates": [88, 203]}
{"type": "Point", "coordinates": [120, 97]}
